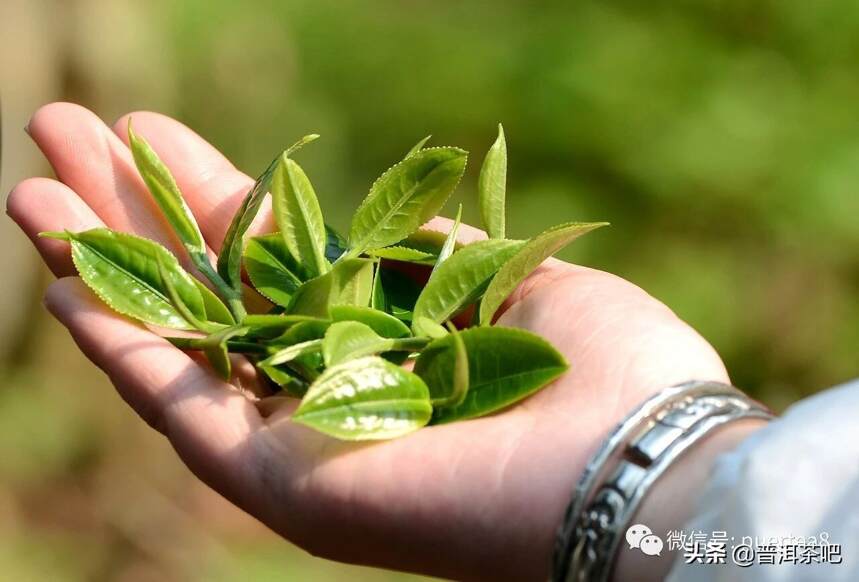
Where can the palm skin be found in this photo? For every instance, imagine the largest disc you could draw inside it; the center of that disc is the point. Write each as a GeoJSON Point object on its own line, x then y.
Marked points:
{"type": "Point", "coordinates": [471, 500]}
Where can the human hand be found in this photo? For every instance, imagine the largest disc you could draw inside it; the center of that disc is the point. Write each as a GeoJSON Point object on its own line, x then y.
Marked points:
{"type": "Point", "coordinates": [479, 499]}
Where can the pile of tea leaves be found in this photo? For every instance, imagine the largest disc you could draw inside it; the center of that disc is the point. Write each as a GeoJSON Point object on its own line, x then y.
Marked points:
{"type": "Point", "coordinates": [346, 312]}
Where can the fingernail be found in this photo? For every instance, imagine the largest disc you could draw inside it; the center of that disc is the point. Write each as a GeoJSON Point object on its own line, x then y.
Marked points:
{"type": "Point", "coordinates": [27, 130]}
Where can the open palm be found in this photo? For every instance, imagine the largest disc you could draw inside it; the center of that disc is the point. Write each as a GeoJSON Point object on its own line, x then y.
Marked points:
{"type": "Point", "coordinates": [471, 500]}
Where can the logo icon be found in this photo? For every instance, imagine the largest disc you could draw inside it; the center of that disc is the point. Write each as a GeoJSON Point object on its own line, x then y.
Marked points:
{"type": "Point", "coordinates": [640, 537]}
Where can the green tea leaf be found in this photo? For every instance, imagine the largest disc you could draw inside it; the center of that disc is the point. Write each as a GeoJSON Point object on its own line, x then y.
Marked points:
{"type": "Point", "coordinates": [215, 309]}
{"type": "Point", "coordinates": [347, 340]}
{"type": "Point", "coordinates": [365, 399]}
{"type": "Point", "coordinates": [461, 279]}
{"type": "Point", "coordinates": [377, 296]}
{"type": "Point", "coordinates": [450, 242]}
{"type": "Point", "coordinates": [271, 268]}
{"type": "Point", "coordinates": [297, 213]}
{"type": "Point", "coordinates": [504, 366]}
{"type": "Point", "coordinates": [271, 326]}
{"type": "Point", "coordinates": [355, 285]}
{"type": "Point", "coordinates": [396, 253]}
{"type": "Point", "coordinates": [459, 373]}
{"type": "Point", "coordinates": [430, 328]}
{"type": "Point", "coordinates": [349, 282]}
{"type": "Point", "coordinates": [460, 369]}
{"type": "Point", "coordinates": [400, 292]}
{"type": "Point", "coordinates": [528, 258]}
{"type": "Point", "coordinates": [230, 257]}
{"type": "Point", "coordinates": [304, 331]}
{"type": "Point", "coordinates": [219, 359]}
{"type": "Point", "coordinates": [215, 348]}
{"type": "Point", "coordinates": [315, 297]}
{"type": "Point", "coordinates": [428, 241]}
{"type": "Point", "coordinates": [122, 269]}
{"type": "Point", "coordinates": [309, 363]}
{"type": "Point", "coordinates": [383, 324]}
{"type": "Point", "coordinates": [178, 303]}
{"type": "Point", "coordinates": [492, 187]}
{"type": "Point", "coordinates": [405, 197]}
{"type": "Point", "coordinates": [335, 244]}
{"type": "Point", "coordinates": [292, 352]}
{"type": "Point", "coordinates": [285, 378]}
{"type": "Point", "coordinates": [418, 146]}
{"type": "Point", "coordinates": [166, 193]}
{"type": "Point", "coordinates": [301, 143]}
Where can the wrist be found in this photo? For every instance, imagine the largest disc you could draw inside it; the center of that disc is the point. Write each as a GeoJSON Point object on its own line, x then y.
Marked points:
{"type": "Point", "coordinates": [673, 498]}
{"type": "Point", "coordinates": [658, 437]}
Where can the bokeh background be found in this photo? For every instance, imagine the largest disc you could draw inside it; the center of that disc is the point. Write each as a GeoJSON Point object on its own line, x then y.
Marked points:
{"type": "Point", "coordinates": [720, 138]}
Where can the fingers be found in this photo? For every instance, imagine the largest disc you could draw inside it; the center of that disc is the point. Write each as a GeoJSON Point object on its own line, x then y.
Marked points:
{"type": "Point", "coordinates": [211, 185]}
{"type": "Point", "coordinates": [208, 423]}
{"type": "Point", "coordinates": [465, 235]}
{"type": "Point", "coordinates": [89, 158]}
{"type": "Point", "coordinates": [41, 204]}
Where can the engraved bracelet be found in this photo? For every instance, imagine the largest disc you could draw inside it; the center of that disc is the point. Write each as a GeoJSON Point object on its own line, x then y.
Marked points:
{"type": "Point", "coordinates": [630, 460]}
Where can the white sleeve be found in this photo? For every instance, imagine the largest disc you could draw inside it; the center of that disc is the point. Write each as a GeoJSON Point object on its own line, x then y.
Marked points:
{"type": "Point", "coordinates": [796, 478]}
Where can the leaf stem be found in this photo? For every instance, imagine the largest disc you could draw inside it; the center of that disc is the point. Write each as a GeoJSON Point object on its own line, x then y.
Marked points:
{"type": "Point", "coordinates": [199, 343]}
{"type": "Point", "coordinates": [232, 296]}
{"type": "Point", "coordinates": [351, 253]}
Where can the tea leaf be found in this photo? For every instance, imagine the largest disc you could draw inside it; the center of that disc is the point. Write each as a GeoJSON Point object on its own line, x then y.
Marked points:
{"type": "Point", "coordinates": [504, 366]}
{"type": "Point", "coordinates": [401, 293]}
{"type": "Point", "coordinates": [335, 245]}
{"type": "Point", "coordinates": [365, 399]}
{"type": "Point", "coordinates": [270, 326]}
{"type": "Point", "coordinates": [301, 143]}
{"type": "Point", "coordinates": [302, 332]}
{"type": "Point", "coordinates": [380, 322]}
{"type": "Point", "coordinates": [346, 340]}
{"type": "Point", "coordinates": [297, 213]}
{"type": "Point", "coordinates": [271, 268]}
{"type": "Point", "coordinates": [405, 197]}
{"type": "Point", "coordinates": [397, 253]}
{"type": "Point", "coordinates": [166, 193]}
{"type": "Point", "coordinates": [377, 295]}
{"type": "Point", "coordinates": [450, 242]}
{"type": "Point", "coordinates": [122, 269]}
{"type": "Point", "coordinates": [459, 380]}
{"type": "Point", "coordinates": [230, 257]}
{"type": "Point", "coordinates": [461, 279]}
{"type": "Point", "coordinates": [418, 146]}
{"type": "Point", "coordinates": [349, 282]}
{"type": "Point", "coordinates": [178, 303]}
{"type": "Point", "coordinates": [286, 378]}
{"type": "Point", "coordinates": [215, 348]}
{"type": "Point", "coordinates": [307, 364]}
{"type": "Point", "coordinates": [492, 186]}
{"type": "Point", "coordinates": [460, 370]}
{"type": "Point", "coordinates": [529, 257]}
{"type": "Point", "coordinates": [428, 241]}
{"type": "Point", "coordinates": [215, 309]}
{"type": "Point", "coordinates": [355, 287]}
{"type": "Point", "coordinates": [292, 352]}
{"type": "Point", "coordinates": [430, 328]}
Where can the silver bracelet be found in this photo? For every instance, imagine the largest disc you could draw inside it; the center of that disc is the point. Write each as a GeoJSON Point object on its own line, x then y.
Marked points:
{"type": "Point", "coordinates": [630, 460]}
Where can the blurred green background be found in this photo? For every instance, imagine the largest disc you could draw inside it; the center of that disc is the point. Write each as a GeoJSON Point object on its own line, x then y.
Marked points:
{"type": "Point", "coordinates": [720, 138]}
